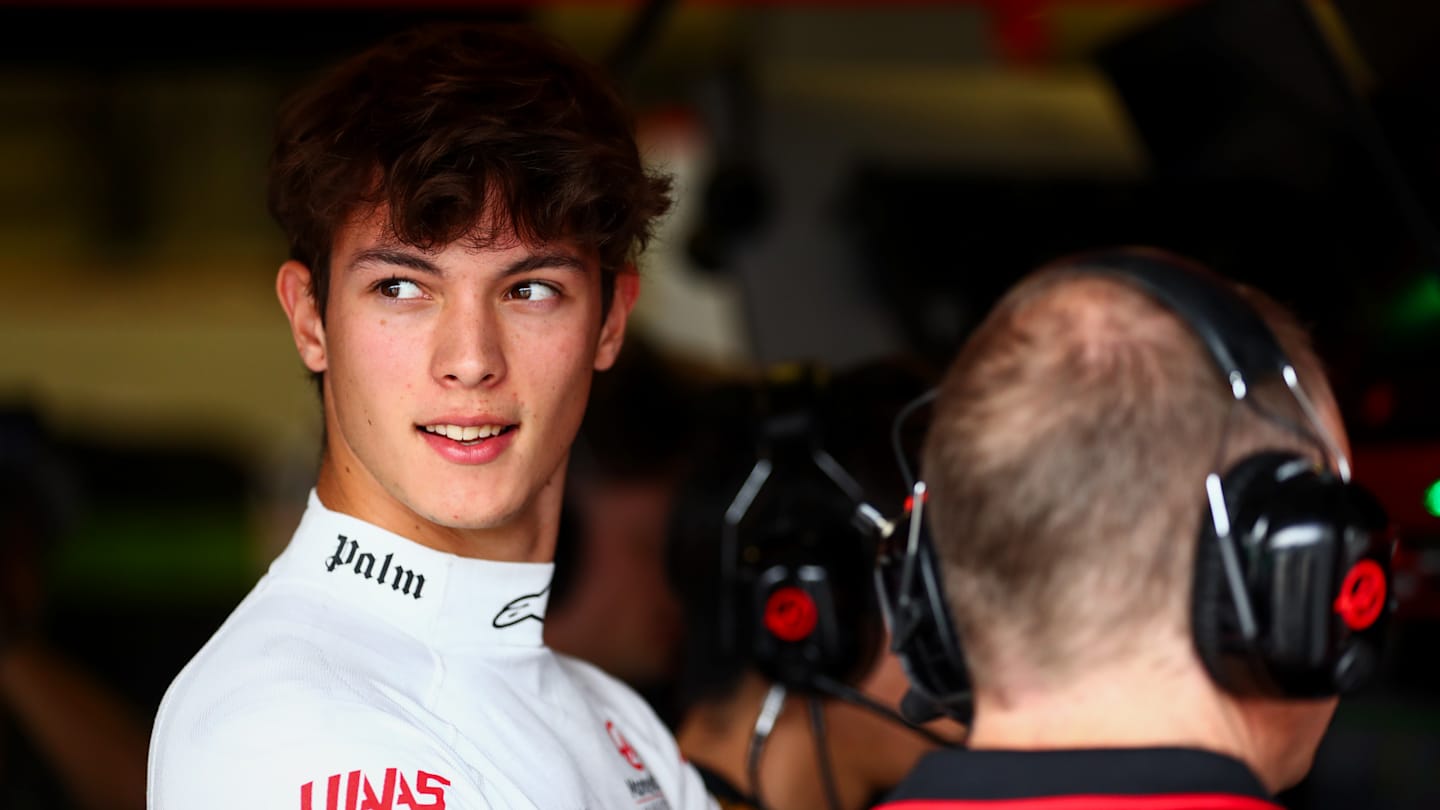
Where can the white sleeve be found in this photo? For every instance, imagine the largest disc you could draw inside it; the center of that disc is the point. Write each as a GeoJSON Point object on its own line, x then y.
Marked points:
{"type": "Point", "coordinates": [321, 756]}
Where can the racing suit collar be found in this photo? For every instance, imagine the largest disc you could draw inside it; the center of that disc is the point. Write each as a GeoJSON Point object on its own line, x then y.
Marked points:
{"type": "Point", "coordinates": [440, 598]}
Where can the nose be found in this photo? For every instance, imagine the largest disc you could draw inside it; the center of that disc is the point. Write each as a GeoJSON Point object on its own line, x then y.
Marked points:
{"type": "Point", "coordinates": [468, 347]}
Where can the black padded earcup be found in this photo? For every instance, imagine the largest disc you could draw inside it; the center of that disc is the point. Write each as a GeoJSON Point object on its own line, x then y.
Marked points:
{"type": "Point", "coordinates": [807, 625]}
{"type": "Point", "coordinates": [1209, 597]}
{"type": "Point", "coordinates": [1298, 532]}
{"type": "Point", "coordinates": [922, 630]}
{"type": "Point", "coordinates": [1232, 662]}
{"type": "Point", "coordinates": [804, 553]}
{"type": "Point", "coordinates": [935, 654]}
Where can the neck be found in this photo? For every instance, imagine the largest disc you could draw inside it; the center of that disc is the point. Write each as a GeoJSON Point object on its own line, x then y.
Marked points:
{"type": "Point", "coordinates": [527, 536]}
{"type": "Point", "coordinates": [1122, 707]}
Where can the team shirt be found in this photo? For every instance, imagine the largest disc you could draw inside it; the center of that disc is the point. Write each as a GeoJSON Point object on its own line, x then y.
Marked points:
{"type": "Point", "coordinates": [1087, 779]}
{"type": "Point", "coordinates": [368, 672]}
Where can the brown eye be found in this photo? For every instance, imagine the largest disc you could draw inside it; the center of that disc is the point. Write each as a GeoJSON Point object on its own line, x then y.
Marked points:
{"type": "Point", "coordinates": [398, 288]}
{"type": "Point", "coordinates": [534, 291]}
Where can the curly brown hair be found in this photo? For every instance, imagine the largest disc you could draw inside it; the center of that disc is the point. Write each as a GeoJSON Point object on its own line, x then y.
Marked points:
{"type": "Point", "coordinates": [463, 131]}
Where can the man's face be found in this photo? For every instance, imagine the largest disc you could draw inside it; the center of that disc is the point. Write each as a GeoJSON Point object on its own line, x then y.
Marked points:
{"type": "Point", "coordinates": [455, 381]}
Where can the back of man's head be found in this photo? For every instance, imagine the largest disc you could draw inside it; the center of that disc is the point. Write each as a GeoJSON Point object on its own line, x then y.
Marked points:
{"type": "Point", "coordinates": [1067, 461]}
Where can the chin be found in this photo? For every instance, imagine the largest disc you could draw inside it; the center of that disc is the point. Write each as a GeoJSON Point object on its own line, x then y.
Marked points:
{"type": "Point", "coordinates": [461, 510]}
{"type": "Point", "coordinates": [468, 517]}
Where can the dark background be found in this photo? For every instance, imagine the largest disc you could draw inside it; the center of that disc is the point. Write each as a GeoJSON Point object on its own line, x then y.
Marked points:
{"type": "Point", "coordinates": [857, 179]}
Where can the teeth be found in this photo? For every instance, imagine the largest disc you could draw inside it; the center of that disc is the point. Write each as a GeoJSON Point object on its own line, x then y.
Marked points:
{"type": "Point", "coordinates": [468, 433]}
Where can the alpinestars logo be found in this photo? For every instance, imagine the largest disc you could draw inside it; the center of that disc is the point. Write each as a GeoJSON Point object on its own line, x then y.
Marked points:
{"type": "Point", "coordinates": [519, 609]}
{"type": "Point", "coordinates": [355, 791]}
{"type": "Point", "coordinates": [401, 579]}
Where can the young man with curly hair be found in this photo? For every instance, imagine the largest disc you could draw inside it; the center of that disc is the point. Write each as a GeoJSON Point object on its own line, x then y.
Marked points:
{"type": "Point", "coordinates": [463, 206]}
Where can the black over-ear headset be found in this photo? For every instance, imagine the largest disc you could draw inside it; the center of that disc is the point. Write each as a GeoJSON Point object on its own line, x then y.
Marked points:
{"type": "Point", "coordinates": [795, 558]}
{"type": "Point", "coordinates": [909, 582]}
{"type": "Point", "coordinates": [798, 549]}
{"type": "Point", "coordinates": [1291, 592]}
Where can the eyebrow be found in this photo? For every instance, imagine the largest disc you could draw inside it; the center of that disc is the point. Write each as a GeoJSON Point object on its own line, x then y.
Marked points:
{"type": "Point", "coordinates": [397, 258]}
{"type": "Point", "coordinates": [552, 260]}
{"type": "Point", "coordinates": [400, 258]}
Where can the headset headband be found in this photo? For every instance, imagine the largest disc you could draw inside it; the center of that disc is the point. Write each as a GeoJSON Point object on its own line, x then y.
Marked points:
{"type": "Point", "coordinates": [1233, 333]}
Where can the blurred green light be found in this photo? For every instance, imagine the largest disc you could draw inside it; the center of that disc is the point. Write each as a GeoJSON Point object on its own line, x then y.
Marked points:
{"type": "Point", "coordinates": [1418, 306]}
{"type": "Point", "coordinates": [1432, 499]}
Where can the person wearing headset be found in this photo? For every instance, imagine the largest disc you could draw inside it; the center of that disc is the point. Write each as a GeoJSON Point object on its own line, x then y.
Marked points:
{"type": "Point", "coordinates": [787, 699]}
{"type": "Point", "coordinates": [463, 206]}
{"type": "Point", "coordinates": [1161, 577]}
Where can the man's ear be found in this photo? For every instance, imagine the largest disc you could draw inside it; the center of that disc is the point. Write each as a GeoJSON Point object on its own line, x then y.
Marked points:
{"type": "Point", "coordinates": [297, 298]}
{"type": "Point", "coordinates": [612, 332]}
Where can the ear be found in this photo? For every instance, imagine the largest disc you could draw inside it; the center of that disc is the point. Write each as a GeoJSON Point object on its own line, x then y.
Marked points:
{"type": "Point", "coordinates": [297, 298]}
{"type": "Point", "coordinates": [612, 332]}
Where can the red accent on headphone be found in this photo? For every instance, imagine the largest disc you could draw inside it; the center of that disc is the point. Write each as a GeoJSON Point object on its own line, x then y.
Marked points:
{"type": "Point", "coordinates": [1362, 595]}
{"type": "Point", "coordinates": [790, 613]}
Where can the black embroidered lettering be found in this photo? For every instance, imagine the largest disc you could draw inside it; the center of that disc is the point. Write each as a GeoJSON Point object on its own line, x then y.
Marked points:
{"type": "Point", "coordinates": [334, 559]}
{"type": "Point", "coordinates": [409, 578]}
{"type": "Point", "coordinates": [348, 553]}
{"type": "Point", "coordinates": [367, 560]}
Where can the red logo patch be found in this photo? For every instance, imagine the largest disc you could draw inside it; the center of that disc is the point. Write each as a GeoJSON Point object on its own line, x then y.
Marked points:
{"type": "Point", "coordinates": [623, 746]}
{"type": "Point", "coordinates": [355, 791]}
{"type": "Point", "coordinates": [1362, 595]}
{"type": "Point", "coordinates": [790, 613]}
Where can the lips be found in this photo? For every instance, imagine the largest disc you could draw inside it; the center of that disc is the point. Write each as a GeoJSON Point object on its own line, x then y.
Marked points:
{"type": "Point", "coordinates": [466, 433]}
{"type": "Point", "coordinates": [469, 440]}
